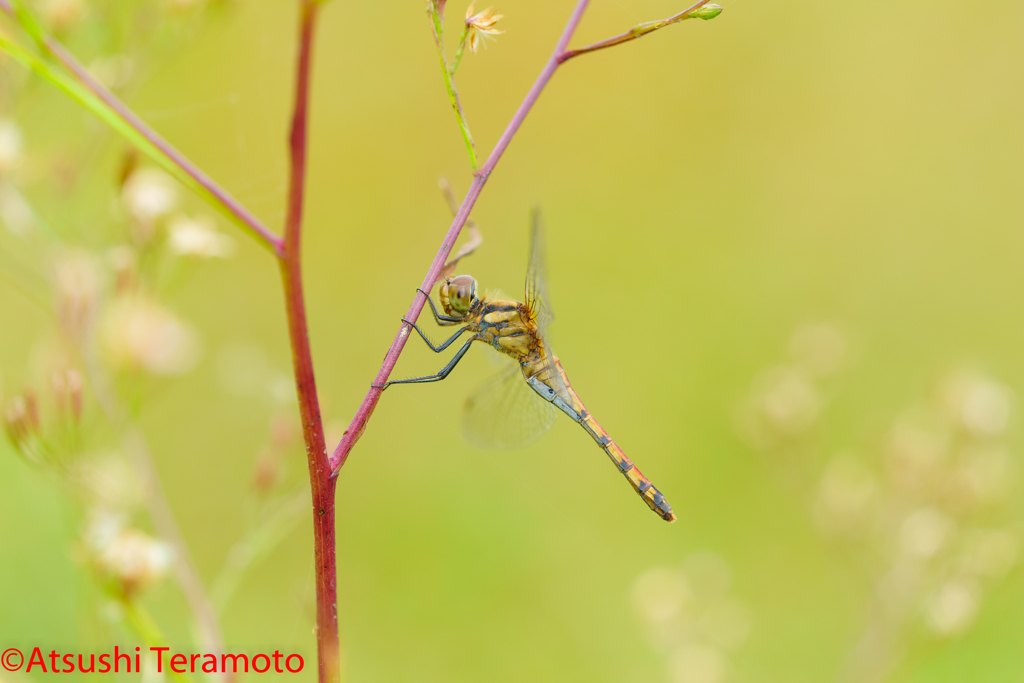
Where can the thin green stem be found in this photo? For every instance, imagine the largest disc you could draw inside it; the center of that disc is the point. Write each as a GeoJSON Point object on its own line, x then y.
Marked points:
{"type": "Point", "coordinates": [462, 47]}
{"type": "Point", "coordinates": [449, 84]}
{"type": "Point", "coordinates": [150, 633]}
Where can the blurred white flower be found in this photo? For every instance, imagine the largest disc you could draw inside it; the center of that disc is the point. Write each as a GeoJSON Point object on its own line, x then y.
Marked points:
{"type": "Point", "coordinates": [149, 193]}
{"type": "Point", "coordinates": [102, 528]}
{"type": "Point", "coordinates": [923, 532]}
{"type": "Point", "coordinates": [198, 237]}
{"type": "Point", "coordinates": [692, 617]}
{"type": "Point", "coordinates": [141, 334]}
{"type": "Point", "coordinates": [10, 146]}
{"type": "Point", "coordinates": [846, 490]}
{"type": "Point", "coordinates": [820, 348]}
{"type": "Point", "coordinates": [952, 608]}
{"type": "Point", "coordinates": [697, 663]}
{"type": "Point", "coordinates": [979, 404]}
{"type": "Point", "coordinates": [15, 212]}
{"type": "Point", "coordinates": [132, 557]}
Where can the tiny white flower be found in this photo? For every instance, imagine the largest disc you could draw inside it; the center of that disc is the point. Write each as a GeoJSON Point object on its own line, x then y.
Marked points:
{"type": "Point", "coordinates": [952, 609]}
{"type": "Point", "coordinates": [128, 555]}
{"type": "Point", "coordinates": [198, 237]}
{"type": "Point", "coordinates": [149, 193]}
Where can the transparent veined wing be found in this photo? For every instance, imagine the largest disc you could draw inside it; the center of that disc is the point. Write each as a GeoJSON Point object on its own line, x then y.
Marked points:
{"type": "Point", "coordinates": [538, 302]}
{"type": "Point", "coordinates": [537, 277]}
{"type": "Point", "coordinates": [505, 412]}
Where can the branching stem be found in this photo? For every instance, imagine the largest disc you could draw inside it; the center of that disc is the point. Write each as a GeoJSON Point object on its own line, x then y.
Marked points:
{"type": "Point", "coordinates": [358, 424]}
{"type": "Point", "coordinates": [322, 484]}
{"type": "Point", "coordinates": [636, 32]}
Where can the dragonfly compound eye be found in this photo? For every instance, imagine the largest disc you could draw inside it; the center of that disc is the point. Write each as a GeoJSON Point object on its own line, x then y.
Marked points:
{"type": "Point", "coordinates": [462, 293]}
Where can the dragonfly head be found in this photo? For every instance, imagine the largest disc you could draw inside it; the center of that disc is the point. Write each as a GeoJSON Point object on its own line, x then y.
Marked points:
{"type": "Point", "coordinates": [458, 294]}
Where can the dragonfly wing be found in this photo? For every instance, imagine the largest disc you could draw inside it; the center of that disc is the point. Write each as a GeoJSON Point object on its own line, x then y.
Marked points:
{"type": "Point", "coordinates": [537, 277]}
{"type": "Point", "coordinates": [505, 412]}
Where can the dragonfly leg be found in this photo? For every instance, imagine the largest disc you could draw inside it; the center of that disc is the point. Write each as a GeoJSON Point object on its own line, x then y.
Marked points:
{"type": "Point", "coordinates": [444, 372]}
{"type": "Point", "coordinates": [442, 320]}
{"type": "Point", "coordinates": [444, 345]}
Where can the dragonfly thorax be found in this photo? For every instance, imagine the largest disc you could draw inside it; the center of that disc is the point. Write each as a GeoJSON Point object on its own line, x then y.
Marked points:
{"type": "Point", "coordinates": [458, 295]}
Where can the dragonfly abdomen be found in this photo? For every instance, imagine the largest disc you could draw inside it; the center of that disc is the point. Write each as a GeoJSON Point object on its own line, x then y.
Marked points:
{"type": "Point", "coordinates": [575, 409]}
{"type": "Point", "coordinates": [641, 484]}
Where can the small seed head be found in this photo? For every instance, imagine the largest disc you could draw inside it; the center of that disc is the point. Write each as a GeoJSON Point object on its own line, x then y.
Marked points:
{"type": "Point", "coordinates": [481, 26]}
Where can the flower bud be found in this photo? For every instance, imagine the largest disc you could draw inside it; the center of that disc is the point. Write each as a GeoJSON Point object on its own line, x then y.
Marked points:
{"type": "Point", "coordinates": [67, 392]}
{"type": "Point", "coordinates": [708, 11]}
{"type": "Point", "coordinates": [17, 421]}
{"type": "Point", "coordinates": [78, 284]}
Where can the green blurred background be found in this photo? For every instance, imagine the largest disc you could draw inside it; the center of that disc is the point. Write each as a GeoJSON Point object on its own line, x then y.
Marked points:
{"type": "Point", "coordinates": [706, 192]}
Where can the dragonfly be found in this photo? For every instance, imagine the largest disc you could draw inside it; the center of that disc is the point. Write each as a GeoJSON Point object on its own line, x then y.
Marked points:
{"type": "Point", "coordinates": [521, 403]}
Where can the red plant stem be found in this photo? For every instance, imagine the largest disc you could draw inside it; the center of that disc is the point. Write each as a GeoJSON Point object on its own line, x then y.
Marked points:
{"type": "Point", "coordinates": [630, 35]}
{"type": "Point", "coordinates": [362, 416]}
{"type": "Point", "coordinates": [322, 484]}
{"type": "Point", "coordinates": [260, 231]}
